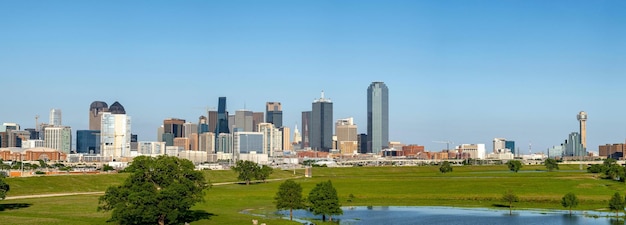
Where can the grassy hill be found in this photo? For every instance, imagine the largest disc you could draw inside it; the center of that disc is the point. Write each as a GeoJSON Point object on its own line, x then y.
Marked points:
{"type": "Point", "coordinates": [468, 186]}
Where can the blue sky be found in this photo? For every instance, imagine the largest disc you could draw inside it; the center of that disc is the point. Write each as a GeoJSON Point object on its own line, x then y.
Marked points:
{"type": "Point", "coordinates": [464, 71]}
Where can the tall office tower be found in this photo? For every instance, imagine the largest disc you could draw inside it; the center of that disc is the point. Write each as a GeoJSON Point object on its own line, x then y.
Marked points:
{"type": "Point", "coordinates": [222, 117]}
{"type": "Point", "coordinates": [297, 138]}
{"type": "Point", "coordinates": [95, 110]}
{"type": "Point", "coordinates": [160, 132]}
{"type": "Point", "coordinates": [88, 141]}
{"type": "Point", "coordinates": [345, 129]}
{"type": "Point", "coordinates": [243, 121]}
{"type": "Point", "coordinates": [212, 120]}
{"type": "Point", "coordinates": [321, 133]}
{"type": "Point", "coordinates": [582, 119]}
{"type": "Point", "coordinates": [248, 142]}
{"type": "Point", "coordinates": [203, 125]}
{"type": "Point", "coordinates": [499, 145]}
{"type": "Point", "coordinates": [55, 117]}
{"type": "Point", "coordinates": [377, 117]}
{"type": "Point", "coordinates": [574, 146]}
{"type": "Point", "coordinates": [231, 123]}
{"type": "Point", "coordinates": [224, 143]}
{"type": "Point", "coordinates": [257, 117]}
{"type": "Point", "coordinates": [272, 138]}
{"type": "Point", "coordinates": [274, 114]}
{"type": "Point", "coordinates": [362, 144]}
{"type": "Point", "coordinates": [206, 142]}
{"type": "Point", "coordinates": [59, 138]}
{"type": "Point", "coordinates": [510, 145]}
{"type": "Point", "coordinates": [115, 135]}
{"type": "Point", "coordinates": [174, 126]}
{"type": "Point", "coordinates": [306, 124]}
{"type": "Point", "coordinates": [189, 128]}
{"type": "Point", "coordinates": [286, 138]}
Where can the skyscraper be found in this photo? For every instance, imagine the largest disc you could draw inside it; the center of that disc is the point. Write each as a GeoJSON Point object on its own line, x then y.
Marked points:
{"type": "Point", "coordinates": [306, 124]}
{"type": "Point", "coordinates": [203, 125]}
{"type": "Point", "coordinates": [115, 135]}
{"type": "Point", "coordinates": [88, 141]}
{"type": "Point", "coordinates": [582, 119]}
{"type": "Point", "coordinates": [244, 121]}
{"type": "Point", "coordinates": [377, 117]}
{"type": "Point", "coordinates": [174, 126]}
{"type": "Point", "coordinates": [222, 117]}
{"type": "Point", "coordinates": [95, 110]}
{"type": "Point", "coordinates": [274, 114]}
{"type": "Point", "coordinates": [321, 131]}
{"type": "Point", "coordinates": [55, 117]}
{"type": "Point", "coordinates": [257, 117]}
{"type": "Point", "coordinates": [212, 120]}
{"type": "Point", "coordinates": [59, 138]}
{"type": "Point", "coordinates": [117, 108]}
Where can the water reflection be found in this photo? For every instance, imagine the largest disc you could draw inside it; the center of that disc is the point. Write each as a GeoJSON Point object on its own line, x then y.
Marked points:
{"type": "Point", "coordinates": [462, 216]}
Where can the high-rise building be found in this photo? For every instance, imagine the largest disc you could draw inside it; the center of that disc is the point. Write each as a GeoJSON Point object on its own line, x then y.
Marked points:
{"type": "Point", "coordinates": [174, 126]}
{"type": "Point", "coordinates": [345, 129]}
{"type": "Point", "coordinates": [306, 124]}
{"type": "Point", "coordinates": [203, 125]}
{"type": "Point", "coordinates": [59, 138]}
{"type": "Point", "coordinates": [115, 135]}
{"type": "Point", "coordinates": [55, 117]}
{"type": "Point", "coordinates": [362, 144]}
{"type": "Point", "coordinates": [297, 138]}
{"type": "Point", "coordinates": [243, 121]}
{"type": "Point", "coordinates": [321, 131]}
{"type": "Point", "coordinates": [222, 117]}
{"type": "Point", "coordinates": [248, 142]}
{"type": "Point", "coordinates": [160, 132]}
{"type": "Point", "coordinates": [573, 145]}
{"type": "Point", "coordinates": [189, 129]}
{"type": "Point", "coordinates": [286, 138]}
{"type": "Point", "coordinates": [257, 117]}
{"type": "Point", "coordinates": [182, 142]}
{"type": "Point", "coordinates": [88, 141]}
{"type": "Point", "coordinates": [212, 120]}
{"type": "Point", "coordinates": [582, 119]}
{"type": "Point", "coordinates": [499, 145]}
{"type": "Point", "coordinates": [95, 110]}
{"type": "Point", "coordinates": [206, 142]}
{"type": "Point", "coordinates": [511, 146]}
{"type": "Point", "coordinates": [272, 139]}
{"type": "Point", "coordinates": [377, 117]}
{"type": "Point", "coordinates": [274, 113]}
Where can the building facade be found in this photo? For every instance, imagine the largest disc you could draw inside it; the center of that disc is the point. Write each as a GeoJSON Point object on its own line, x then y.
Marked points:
{"type": "Point", "coordinates": [377, 117]}
{"type": "Point", "coordinates": [59, 138]}
{"type": "Point", "coordinates": [306, 125]}
{"type": "Point", "coordinates": [95, 110]}
{"type": "Point", "coordinates": [115, 135]}
{"type": "Point", "coordinates": [274, 114]}
{"type": "Point", "coordinates": [88, 142]}
{"type": "Point", "coordinates": [321, 132]}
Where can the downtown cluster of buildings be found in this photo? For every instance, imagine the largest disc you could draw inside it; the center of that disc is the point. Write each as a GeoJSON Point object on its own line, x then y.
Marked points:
{"type": "Point", "coordinates": [221, 135]}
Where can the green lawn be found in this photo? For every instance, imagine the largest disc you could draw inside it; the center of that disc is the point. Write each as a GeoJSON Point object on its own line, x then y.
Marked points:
{"type": "Point", "coordinates": [466, 186]}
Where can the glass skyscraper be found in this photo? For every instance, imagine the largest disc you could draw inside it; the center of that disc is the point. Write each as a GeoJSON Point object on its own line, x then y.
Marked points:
{"type": "Point", "coordinates": [88, 141]}
{"type": "Point", "coordinates": [222, 117]}
{"type": "Point", "coordinates": [321, 131]}
{"type": "Point", "coordinates": [377, 117]}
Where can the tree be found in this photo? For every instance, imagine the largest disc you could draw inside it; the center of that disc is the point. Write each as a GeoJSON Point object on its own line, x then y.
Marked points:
{"type": "Point", "coordinates": [325, 201]}
{"type": "Point", "coordinates": [514, 165]}
{"type": "Point", "coordinates": [569, 201]}
{"type": "Point", "coordinates": [510, 197]}
{"type": "Point", "coordinates": [616, 203]}
{"type": "Point", "coordinates": [551, 164]}
{"type": "Point", "coordinates": [159, 190]}
{"type": "Point", "coordinates": [445, 167]}
{"type": "Point", "coordinates": [247, 170]}
{"type": "Point", "coordinates": [289, 196]}
{"type": "Point", "coordinates": [264, 172]}
{"type": "Point", "coordinates": [4, 187]}
{"type": "Point", "coordinates": [615, 172]}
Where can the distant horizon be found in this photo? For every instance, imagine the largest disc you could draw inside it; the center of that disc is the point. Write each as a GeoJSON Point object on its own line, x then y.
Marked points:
{"type": "Point", "coordinates": [460, 71]}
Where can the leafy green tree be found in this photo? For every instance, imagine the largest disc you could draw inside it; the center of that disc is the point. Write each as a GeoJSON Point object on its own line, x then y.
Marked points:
{"type": "Point", "coordinates": [617, 203]}
{"type": "Point", "coordinates": [264, 172]}
{"type": "Point", "coordinates": [445, 167]}
{"type": "Point", "coordinates": [569, 201]}
{"type": "Point", "coordinates": [325, 201]}
{"type": "Point", "coordinates": [247, 170]}
{"type": "Point", "coordinates": [551, 164]}
{"type": "Point", "coordinates": [107, 167]}
{"type": "Point", "coordinates": [596, 168]}
{"type": "Point", "coordinates": [42, 163]}
{"type": "Point", "coordinates": [4, 187]}
{"type": "Point", "coordinates": [510, 197]}
{"type": "Point", "coordinates": [158, 191]}
{"type": "Point", "coordinates": [615, 172]}
{"type": "Point", "coordinates": [289, 196]}
{"type": "Point", "coordinates": [514, 165]}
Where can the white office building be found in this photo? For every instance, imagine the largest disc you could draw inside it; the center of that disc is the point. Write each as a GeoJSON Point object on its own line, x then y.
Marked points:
{"type": "Point", "coordinates": [115, 135]}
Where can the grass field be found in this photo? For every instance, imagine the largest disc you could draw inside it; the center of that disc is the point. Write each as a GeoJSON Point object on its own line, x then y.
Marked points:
{"type": "Point", "coordinates": [467, 186]}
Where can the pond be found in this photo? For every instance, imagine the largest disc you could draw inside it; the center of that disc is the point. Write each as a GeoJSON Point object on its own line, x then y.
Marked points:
{"type": "Point", "coordinates": [459, 216]}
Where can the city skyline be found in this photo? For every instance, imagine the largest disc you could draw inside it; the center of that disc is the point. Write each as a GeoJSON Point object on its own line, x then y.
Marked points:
{"type": "Point", "coordinates": [465, 73]}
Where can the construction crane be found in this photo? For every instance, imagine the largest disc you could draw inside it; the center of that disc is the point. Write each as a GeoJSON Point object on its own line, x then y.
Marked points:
{"type": "Point", "coordinates": [445, 142]}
